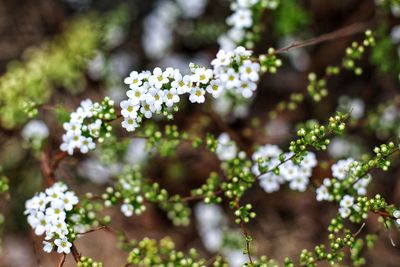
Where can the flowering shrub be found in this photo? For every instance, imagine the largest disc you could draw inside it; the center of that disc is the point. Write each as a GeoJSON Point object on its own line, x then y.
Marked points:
{"type": "Point", "coordinates": [186, 143]}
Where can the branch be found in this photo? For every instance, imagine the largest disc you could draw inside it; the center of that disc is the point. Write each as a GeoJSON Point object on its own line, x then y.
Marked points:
{"type": "Point", "coordinates": [62, 260]}
{"type": "Point", "coordinates": [343, 32]}
{"type": "Point", "coordinates": [75, 253]}
{"type": "Point", "coordinates": [246, 235]}
{"type": "Point", "coordinates": [49, 167]}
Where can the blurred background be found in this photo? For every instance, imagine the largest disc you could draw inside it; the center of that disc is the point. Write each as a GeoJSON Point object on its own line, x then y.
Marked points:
{"type": "Point", "coordinates": [61, 52]}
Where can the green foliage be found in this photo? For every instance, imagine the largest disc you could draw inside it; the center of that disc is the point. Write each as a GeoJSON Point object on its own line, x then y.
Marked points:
{"type": "Point", "coordinates": [384, 52]}
{"type": "Point", "coordinates": [290, 18]}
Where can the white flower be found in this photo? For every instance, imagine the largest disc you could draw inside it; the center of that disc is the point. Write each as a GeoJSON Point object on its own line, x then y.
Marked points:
{"type": "Point", "coordinates": [48, 247]}
{"type": "Point", "coordinates": [56, 213]}
{"type": "Point", "coordinates": [246, 3]}
{"type": "Point", "coordinates": [297, 175]}
{"type": "Point", "coordinates": [94, 128]}
{"type": "Point", "coordinates": [171, 97]}
{"type": "Point", "coordinates": [215, 88]}
{"type": "Point", "coordinates": [129, 124]}
{"type": "Point", "coordinates": [147, 110]}
{"type": "Point", "coordinates": [230, 78]}
{"type": "Point", "coordinates": [223, 58]}
{"type": "Point", "coordinates": [242, 18]}
{"type": "Point", "coordinates": [63, 245]}
{"type": "Point", "coordinates": [299, 183]}
{"type": "Point", "coordinates": [52, 220]}
{"type": "Point", "coordinates": [341, 168]}
{"type": "Point", "coordinates": [344, 212]}
{"type": "Point", "coordinates": [87, 144]}
{"type": "Point", "coordinates": [396, 215]}
{"type": "Point", "coordinates": [39, 223]}
{"type": "Point", "coordinates": [127, 210]}
{"type": "Point", "coordinates": [136, 95]}
{"type": "Point", "coordinates": [226, 148]}
{"type": "Point", "coordinates": [323, 193]}
{"type": "Point", "coordinates": [269, 182]}
{"type": "Point", "coordinates": [249, 71]}
{"type": "Point", "coordinates": [361, 185]}
{"type": "Point", "coordinates": [247, 88]}
{"type": "Point", "coordinates": [35, 129]}
{"type": "Point", "coordinates": [134, 80]}
{"type": "Point", "coordinates": [202, 75]}
{"type": "Point", "coordinates": [69, 200]}
{"type": "Point", "coordinates": [155, 97]}
{"type": "Point", "coordinates": [309, 161]}
{"type": "Point", "coordinates": [159, 78]}
{"type": "Point", "coordinates": [210, 220]}
{"type": "Point", "coordinates": [72, 127]}
{"type": "Point", "coordinates": [347, 201]}
{"type": "Point", "coordinates": [197, 95]}
{"type": "Point", "coordinates": [181, 84]}
{"type": "Point", "coordinates": [129, 108]}
{"type": "Point", "coordinates": [236, 35]}
{"type": "Point", "coordinates": [241, 51]}
{"type": "Point", "coordinates": [267, 151]}
{"type": "Point", "coordinates": [79, 115]}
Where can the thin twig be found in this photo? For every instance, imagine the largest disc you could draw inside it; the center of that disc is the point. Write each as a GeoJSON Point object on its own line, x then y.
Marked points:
{"type": "Point", "coordinates": [75, 253]}
{"type": "Point", "coordinates": [359, 230]}
{"type": "Point", "coordinates": [62, 260]}
{"type": "Point", "coordinates": [343, 32]}
{"type": "Point", "coordinates": [246, 234]}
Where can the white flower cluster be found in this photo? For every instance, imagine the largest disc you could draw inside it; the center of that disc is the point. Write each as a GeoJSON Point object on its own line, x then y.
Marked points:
{"type": "Point", "coordinates": [159, 25]}
{"type": "Point", "coordinates": [355, 105]}
{"type": "Point", "coordinates": [296, 175]}
{"type": "Point", "coordinates": [241, 21]}
{"type": "Point", "coordinates": [129, 190]}
{"type": "Point", "coordinates": [159, 91]}
{"type": "Point", "coordinates": [342, 170]}
{"type": "Point", "coordinates": [48, 213]}
{"type": "Point", "coordinates": [226, 148]}
{"type": "Point", "coordinates": [396, 215]}
{"type": "Point", "coordinates": [35, 129]}
{"type": "Point", "coordinates": [85, 125]}
{"type": "Point", "coordinates": [209, 218]}
{"type": "Point", "coordinates": [346, 204]}
{"type": "Point", "coordinates": [212, 226]}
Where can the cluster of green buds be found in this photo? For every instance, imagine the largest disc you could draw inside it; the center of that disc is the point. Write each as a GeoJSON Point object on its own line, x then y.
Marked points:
{"type": "Point", "coordinates": [165, 141]}
{"type": "Point", "coordinates": [88, 262]}
{"type": "Point", "coordinates": [133, 191]}
{"type": "Point", "coordinates": [270, 62]}
{"type": "Point", "coordinates": [316, 87]}
{"type": "Point", "coordinates": [317, 136]}
{"type": "Point", "coordinates": [208, 191]}
{"type": "Point", "coordinates": [377, 204]}
{"type": "Point", "coordinates": [244, 213]}
{"type": "Point", "coordinates": [339, 238]}
{"type": "Point", "coordinates": [355, 52]}
{"type": "Point", "coordinates": [294, 100]}
{"type": "Point", "coordinates": [148, 252]}
{"type": "Point", "coordinates": [238, 176]}
{"type": "Point", "coordinates": [90, 211]}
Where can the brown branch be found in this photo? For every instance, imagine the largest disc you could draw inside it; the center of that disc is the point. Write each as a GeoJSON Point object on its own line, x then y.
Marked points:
{"type": "Point", "coordinates": [75, 253]}
{"type": "Point", "coordinates": [49, 167]}
{"type": "Point", "coordinates": [62, 260]}
{"type": "Point", "coordinates": [343, 32]}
